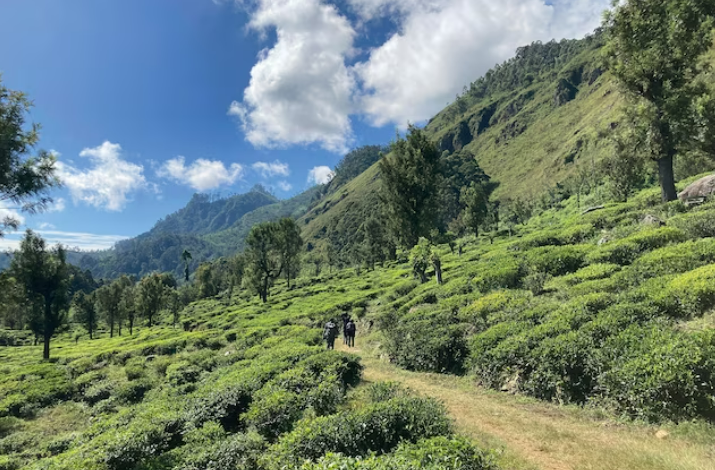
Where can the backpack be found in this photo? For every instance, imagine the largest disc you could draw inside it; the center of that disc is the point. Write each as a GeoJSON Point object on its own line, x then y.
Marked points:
{"type": "Point", "coordinates": [350, 327]}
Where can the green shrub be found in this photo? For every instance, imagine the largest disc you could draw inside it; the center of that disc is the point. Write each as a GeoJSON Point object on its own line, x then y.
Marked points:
{"type": "Point", "coordinates": [556, 260]}
{"type": "Point", "coordinates": [626, 250]}
{"type": "Point", "coordinates": [9, 463]}
{"type": "Point", "coordinates": [238, 451]}
{"type": "Point", "coordinates": [675, 258]}
{"type": "Point", "coordinates": [382, 391]}
{"type": "Point", "coordinates": [377, 428]}
{"type": "Point", "coordinates": [273, 412]}
{"type": "Point", "coordinates": [439, 453]}
{"type": "Point", "coordinates": [587, 273]}
{"type": "Point", "coordinates": [428, 342]}
{"type": "Point", "coordinates": [505, 273]}
{"type": "Point", "coordinates": [656, 373]}
{"type": "Point", "coordinates": [181, 373]}
{"type": "Point", "coordinates": [689, 294]}
{"type": "Point", "coordinates": [134, 391]}
{"type": "Point", "coordinates": [696, 224]}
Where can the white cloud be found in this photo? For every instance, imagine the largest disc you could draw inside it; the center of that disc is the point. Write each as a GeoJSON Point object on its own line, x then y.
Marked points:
{"type": "Point", "coordinates": [9, 215]}
{"type": "Point", "coordinates": [443, 45]}
{"type": "Point", "coordinates": [271, 169]}
{"type": "Point", "coordinates": [81, 240]}
{"type": "Point", "coordinates": [284, 186]}
{"type": "Point", "coordinates": [46, 226]}
{"type": "Point", "coordinates": [57, 206]}
{"type": "Point", "coordinates": [202, 175]}
{"type": "Point", "coordinates": [109, 181]}
{"type": "Point", "coordinates": [300, 89]}
{"type": "Point", "coordinates": [320, 175]}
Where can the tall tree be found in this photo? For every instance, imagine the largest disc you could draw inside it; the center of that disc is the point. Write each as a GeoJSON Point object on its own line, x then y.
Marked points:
{"type": "Point", "coordinates": [24, 179]}
{"type": "Point", "coordinates": [654, 50]}
{"type": "Point", "coordinates": [476, 206]}
{"type": "Point", "coordinates": [291, 245]}
{"type": "Point", "coordinates": [186, 256]}
{"type": "Point", "coordinates": [409, 186]}
{"type": "Point", "coordinates": [85, 312]}
{"type": "Point", "coordinates": [236, 270]}
{"type": "Point", "coordinates": [264, 258]}
{"type": "Point", "coordinates": [109, 299]}
{"type": "Point", "coordinates": [44, 278]}
{"type": "Point", "coordinates": [374, 240]}
{"type": "Point", "coordinates": [151, 296]}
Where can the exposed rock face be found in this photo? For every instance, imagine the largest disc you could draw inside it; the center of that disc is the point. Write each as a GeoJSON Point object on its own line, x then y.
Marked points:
{"type": "Point", "coordinates": [702, 188]}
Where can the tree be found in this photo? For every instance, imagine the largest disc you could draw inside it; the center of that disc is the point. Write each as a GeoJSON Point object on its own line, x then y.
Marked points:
{"type": "Point", "coordinates": [236, 270]}
{"type": "Point", "coordinates": [173, 301]}
{"type": "Point", "coordinates": [264, 258]}
{"type": "Point", "coordinates": [152, 296]}
{"type": "Point", "coordinates": [374, 241]}
{"type": "Point", "coordinates": [44, 279]}
{"type": "Point", "coordinates": [85, 312]}
{"type": "Point", "coordinates": [420, 258]}
{"type": "Point", "coordinates": [205, 280]}
{"type": "Point", "coordinates": [654, 51]}
{"type": "Point", "coordinates": [437, 265]}
{"type": "Point", "coordinates": [24, 180]}
{"type": "Point", "coordinates": [476, 206]}
{"type": "Point", "coordinates": [624, 169]}
{"type": "Point", "coordinates": [186, 256]}
{"type": "Point", "coordinates": [128, 305]}
{"type": "Point", "coordinates": [457, 171]}
{"type": "Point", "coordinates": [291, 245]}
{"type": "Point", "coordinates": [109, 299]}
{"type": "Point", "coordinates": [409, 186]}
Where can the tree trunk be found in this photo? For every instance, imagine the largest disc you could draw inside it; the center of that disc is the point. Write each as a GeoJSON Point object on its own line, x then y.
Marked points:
{"type": "Point", "coordinates": [438, 272]}
{"type": "Point", "coordinates": [46, 347]}
{"type": "Point", "coordinates": [111, 328]}
{"type": "Point", "coordinates": [131, 327]}
{"type": "Point", "coordinates": [667, 178]}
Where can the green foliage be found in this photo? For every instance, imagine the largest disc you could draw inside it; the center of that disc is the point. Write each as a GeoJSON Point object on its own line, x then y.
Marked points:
{"type": "Point", "coordinates": [441, 453]}
{"type": "Point", "coordinates": [420, 256]}
{"type": "Point", "coordinates": [43, 277]}
{"type": "Point", "coordinates": [378, 428]}
{"type": "Point", "coordinates": [409, 186]}
{"type": "Point", "coordinates": [626, 250]}
{"type": "Point", "coordinates": [654, 52]}
{"type": "Point", "coordinates": [24, 180]}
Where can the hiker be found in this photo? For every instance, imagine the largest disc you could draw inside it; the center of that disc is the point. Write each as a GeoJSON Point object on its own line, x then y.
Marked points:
{"type": "Point", "coordinates": [350, 332]}
{"type": "Point", "coordinates": [345, 317]}
{"type": "Point", "coordinates": [329, 333]}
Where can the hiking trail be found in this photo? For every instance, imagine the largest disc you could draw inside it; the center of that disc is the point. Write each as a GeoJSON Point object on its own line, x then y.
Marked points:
{"type": "Point", "coordinates": [531, 434]}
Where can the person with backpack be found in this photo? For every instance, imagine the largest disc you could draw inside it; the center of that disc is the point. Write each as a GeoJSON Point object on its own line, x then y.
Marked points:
{"type": "Point", "coordinates": [329, 333]}
{"type": "Point", "coordinates": [345, 317]}
{"type": "Point", "coordinates": [350, 332]}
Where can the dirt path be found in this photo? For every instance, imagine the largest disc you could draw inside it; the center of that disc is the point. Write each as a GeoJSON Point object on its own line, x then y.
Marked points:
{"type": "Point", "coordinates": [529, 434]}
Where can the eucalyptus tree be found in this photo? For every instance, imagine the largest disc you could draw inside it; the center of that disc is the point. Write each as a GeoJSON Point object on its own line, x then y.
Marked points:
{"type": "Point", "coordinates": [263, 257]}
{"type": "Point", "coordinates": [85, 311]}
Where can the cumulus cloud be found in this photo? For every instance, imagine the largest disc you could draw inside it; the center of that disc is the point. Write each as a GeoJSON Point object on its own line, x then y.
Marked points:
{"type": "Point", "coordinates": [320, 175]}
{"type": "Point", "coordinates": [271, 169]}
{"type": "Point", "coordinates": [202, 175]}
{"type": "Point", "coordinates": [284, 186]}
{"type": "Point", "coordinates": [73, 240]}
{"type": "Point", "coordinates": [107, 183]}
{"type": "Point", "coordinates": [443, 45]}
{"type": "Point", "coordinates": [300, 88]}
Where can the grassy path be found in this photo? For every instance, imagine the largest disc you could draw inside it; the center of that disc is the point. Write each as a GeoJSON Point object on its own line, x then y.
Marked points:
{"type": "Point", "coordinates": [529, 434]}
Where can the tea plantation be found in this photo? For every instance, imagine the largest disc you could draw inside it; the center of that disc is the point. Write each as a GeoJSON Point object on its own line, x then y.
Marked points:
{"type": "Point", "coordinates": [610, 309]}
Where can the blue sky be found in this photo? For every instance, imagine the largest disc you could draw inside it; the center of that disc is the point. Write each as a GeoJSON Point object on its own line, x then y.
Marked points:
{"type": "Point", "coordinates": [147, 102]}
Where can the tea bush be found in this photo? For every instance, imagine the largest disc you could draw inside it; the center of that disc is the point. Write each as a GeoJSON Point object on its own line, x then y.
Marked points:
{"type": "Point", "coordinates": [377, 428]}
{"type": "Point", "coordinates": [439, 453]}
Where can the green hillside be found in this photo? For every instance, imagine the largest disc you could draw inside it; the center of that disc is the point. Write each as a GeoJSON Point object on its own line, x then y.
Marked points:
{"type": "Point", "coordinates": [207, 228]}
{"type": "Point", "coordinates": [611, 310]}
{"type": "Point", "coordinates": [530, 122]}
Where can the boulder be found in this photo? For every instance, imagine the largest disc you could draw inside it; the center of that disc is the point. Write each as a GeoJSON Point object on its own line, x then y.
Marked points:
{"type": "Point", "coordinates": [700, 189]}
